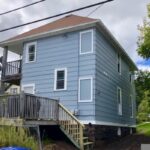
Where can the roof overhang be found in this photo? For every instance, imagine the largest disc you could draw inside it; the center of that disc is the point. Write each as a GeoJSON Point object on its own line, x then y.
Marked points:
{"type": "Point", "coordinates": [13, 45]}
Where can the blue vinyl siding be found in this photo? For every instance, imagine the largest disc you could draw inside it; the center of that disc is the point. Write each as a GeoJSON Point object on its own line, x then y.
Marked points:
{"type": "Point", "coordinates": [107, 80]}
{"type": "Point", "coordinates": [61, 51]}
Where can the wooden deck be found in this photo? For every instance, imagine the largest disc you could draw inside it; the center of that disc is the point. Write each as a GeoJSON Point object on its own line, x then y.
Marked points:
{"type": "Point", "coordinates": [30, 108]}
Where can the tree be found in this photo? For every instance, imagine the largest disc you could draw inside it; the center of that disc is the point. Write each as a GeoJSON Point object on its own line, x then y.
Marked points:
{"type": "Point", "coordinates": [142, 84]}
{"type": "Point", "coordinates": [144, 108]}
{"type": "Point", "coordinates": [144, 38]}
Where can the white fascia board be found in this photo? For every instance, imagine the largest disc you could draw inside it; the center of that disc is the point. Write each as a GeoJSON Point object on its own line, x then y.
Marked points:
{"type": "Point", "coordinates": [49, 33]}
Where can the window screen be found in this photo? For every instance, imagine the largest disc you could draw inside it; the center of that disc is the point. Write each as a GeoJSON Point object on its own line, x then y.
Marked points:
{"type": "Point", "coordinates": [85, 93]}
{"type": "Point", "coordinates": [86, 42]}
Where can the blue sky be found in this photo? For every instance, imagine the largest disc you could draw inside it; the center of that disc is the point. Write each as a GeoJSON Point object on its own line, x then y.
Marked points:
{"type": "Point", "coordinates": [144, 62]}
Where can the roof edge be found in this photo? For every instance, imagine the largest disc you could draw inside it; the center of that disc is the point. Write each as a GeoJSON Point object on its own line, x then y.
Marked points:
{"type": "Point", "coordinates": [117, 44]}
{"type": "Point", "coordinates": [45, 34]}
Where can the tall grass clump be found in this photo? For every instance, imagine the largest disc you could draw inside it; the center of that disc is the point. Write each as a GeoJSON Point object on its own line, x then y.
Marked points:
{"type": "Point", "coordinates": [17, 136]}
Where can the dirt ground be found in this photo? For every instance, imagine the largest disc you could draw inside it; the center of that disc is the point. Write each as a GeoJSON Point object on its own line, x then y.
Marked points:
{"type": "Point", "coordinates": [132, 142]}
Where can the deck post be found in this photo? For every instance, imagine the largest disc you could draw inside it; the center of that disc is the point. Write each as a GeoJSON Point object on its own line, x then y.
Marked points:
{"type": "Point", "coordinates": [4, 64]}
{"type": "Point", "coordinates": [22, 104]}
{"type": "Point", "coordinates": [39, 137]}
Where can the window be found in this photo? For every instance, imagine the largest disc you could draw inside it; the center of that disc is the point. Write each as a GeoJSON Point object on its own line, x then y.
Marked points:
{"type": "Point", "coordinates": [29, 88]}
{"type": "Point", "coordinates": [131, 105]}
{"type": "Point", "coordinates": [86, 42]}
{"type": "Point", "coordinates": [119, 63]}
{"type": "Point", "coordinates": [85, 89]}
{"type": "Point", "coordinates": [31, 52]}
{"type": "Point", "coordinates": [130, 78]}
{"type": "Point", "coordinates": [119, 100]}
{"type": "Point", "coordinates": [60, 82]}
{"type": "Point", "coordinates": [13, 90]}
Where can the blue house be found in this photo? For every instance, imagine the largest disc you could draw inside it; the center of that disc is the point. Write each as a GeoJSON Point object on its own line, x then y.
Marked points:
{"type": "Point", "coordinates": [77, 61]}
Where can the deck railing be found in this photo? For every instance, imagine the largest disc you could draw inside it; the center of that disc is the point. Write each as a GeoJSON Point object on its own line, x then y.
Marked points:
{"type": "Point", "coordinates": [29, 107]}
{"type": "Point", "coordinates": [13, 68]}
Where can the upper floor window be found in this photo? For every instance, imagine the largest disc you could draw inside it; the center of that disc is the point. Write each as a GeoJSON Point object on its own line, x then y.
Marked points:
{"type": "Point", "coordinates": [31, 52]}
{"type": "Point", "coordinates": [60, 82]}
{"type": "Point", "coordinates": [119, 100]}
{"type": "Point", "coordinates": [86, 42]}
{"type": "Point", "coordinates": [85, 89]}
{"type": "Point", "coordinates": [119, 63]}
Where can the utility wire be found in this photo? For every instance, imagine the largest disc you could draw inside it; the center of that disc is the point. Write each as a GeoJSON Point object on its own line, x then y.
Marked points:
{"type": "Point", "coordinates": [7, 12]}
{"type": "Point", "coordinates": [64, 13]}
{"type": "Point", "coordinates": [94, 10]}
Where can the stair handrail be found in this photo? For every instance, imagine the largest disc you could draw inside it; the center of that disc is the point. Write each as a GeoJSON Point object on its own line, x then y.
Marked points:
{"type": "Point", "coordinates": [71, 115]}
{"type": "Point", "coordinates": [81, 127]}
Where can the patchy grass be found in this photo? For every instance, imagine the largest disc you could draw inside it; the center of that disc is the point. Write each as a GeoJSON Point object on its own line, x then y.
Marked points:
{"type": "Point", "coordinates": [17, 136]}
{"type": "Point", "coordinates": [144, 128]}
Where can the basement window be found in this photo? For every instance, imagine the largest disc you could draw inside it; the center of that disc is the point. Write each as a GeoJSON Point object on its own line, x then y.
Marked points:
{"type": "Point", "coordinates": [119, 100]}
{"type": "Point", "coordinates": [60, 82]}
{"type": "Point", "coordinates": [31, 52]}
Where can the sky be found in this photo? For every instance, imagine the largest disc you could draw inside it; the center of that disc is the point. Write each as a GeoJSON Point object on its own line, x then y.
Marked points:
{"type": "Point", "coordinates": [121, 17]}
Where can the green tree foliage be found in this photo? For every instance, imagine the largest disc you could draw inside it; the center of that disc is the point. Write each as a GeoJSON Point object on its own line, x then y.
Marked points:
{"type": "Point", "coordinates": [144, 38]}
{"type": "Point", "coordinates": [144, 108]}
{"type": "Point", "coordinates": [142, 84]}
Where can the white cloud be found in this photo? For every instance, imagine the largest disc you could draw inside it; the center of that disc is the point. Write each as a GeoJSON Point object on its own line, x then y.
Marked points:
{"type": "Point", "coordinates": [143, 67]}
{"type": "Point", "coordinates": [121, 18]}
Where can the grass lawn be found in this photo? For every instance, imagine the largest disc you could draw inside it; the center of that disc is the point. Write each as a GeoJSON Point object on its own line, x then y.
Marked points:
{"type": "Point", "coordinates": [144, 128]}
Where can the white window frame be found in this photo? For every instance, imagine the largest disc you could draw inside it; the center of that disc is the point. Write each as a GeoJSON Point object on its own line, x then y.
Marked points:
{"type": "Point", "coordinates": [27, 52]}
{"type": "Point", "coordinates": [55, 79]}
{"type": "Point", "coordinates": [86, 31]}
{"type": "Point", "coordinates": [29, 85]}
{"type": "Point", "coordinates": [119, 105]}
{"type": "Point", "coordinates": [85, 78]}
{"type": "Point", "coordinates": [12, 90]}
{"type": "Point", "coordinates": [132, 106]}
{"type": "Point", "coordinates": [119, 61]}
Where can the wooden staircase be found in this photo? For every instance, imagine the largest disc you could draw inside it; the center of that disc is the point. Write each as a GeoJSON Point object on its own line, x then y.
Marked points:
{"type": "Point", "coordinates": [73, 129]}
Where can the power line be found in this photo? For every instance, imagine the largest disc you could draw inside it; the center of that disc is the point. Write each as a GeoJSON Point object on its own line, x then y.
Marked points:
{"type": "Point", "coordinates": [21, 7]}
{"type": "Point", "coordinates": [94, 10]}
{"type": "Point", "coordinates": [64, 13]}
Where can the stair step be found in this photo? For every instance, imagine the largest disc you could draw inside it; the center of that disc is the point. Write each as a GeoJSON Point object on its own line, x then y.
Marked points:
{"type": "Point", "coordinates": [88, 143]}
{"type": "Point", "coordinates": [85, 138]}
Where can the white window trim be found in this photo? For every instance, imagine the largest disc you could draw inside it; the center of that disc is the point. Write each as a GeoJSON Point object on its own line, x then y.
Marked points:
{"type": "Point", "coordinates": [119, 60]}
{"type": "Point", "coordinates": [119, 113]}
{"type": "Point", "coordinates": [28, 85]}
{"type": "Point", "coordinates": [55, 78]}
{"type": "Point", "coordinates": [82, 53]}
{"type": "Point", "coordinates": [132, 111]}
{"type": "Point", "coordinates": [85, 78]}
{"type": "Point", "coordinates": [27, 52]}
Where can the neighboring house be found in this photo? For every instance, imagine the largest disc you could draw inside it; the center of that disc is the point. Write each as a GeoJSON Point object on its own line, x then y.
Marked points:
{"type": "Point", "coordinates": [13, 89]}
{"type": "Point", "coordinates": [78, 61]}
